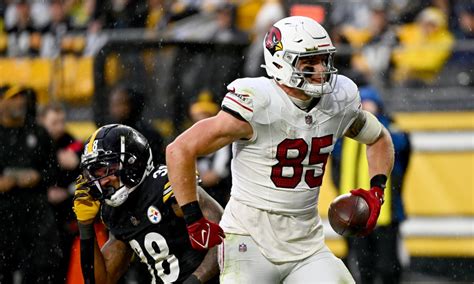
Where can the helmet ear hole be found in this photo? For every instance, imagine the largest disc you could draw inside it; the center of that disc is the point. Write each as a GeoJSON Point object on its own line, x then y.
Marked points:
{"type": "Point", "coordinates": [277, 65]}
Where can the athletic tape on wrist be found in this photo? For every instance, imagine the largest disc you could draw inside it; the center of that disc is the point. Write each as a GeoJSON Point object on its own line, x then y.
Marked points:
{"type": "Point", "coordinates": [86, 231]}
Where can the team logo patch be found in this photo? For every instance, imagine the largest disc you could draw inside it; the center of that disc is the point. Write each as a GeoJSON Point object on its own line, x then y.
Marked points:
{"type": "Point", "coordinates": [273, 40]}
{"type": "Point", "coordinates": [242, 247]}
{"type": "Point", "coordinates": [154, 215]}
{"type": "Point", "coordinates": [308, 119]}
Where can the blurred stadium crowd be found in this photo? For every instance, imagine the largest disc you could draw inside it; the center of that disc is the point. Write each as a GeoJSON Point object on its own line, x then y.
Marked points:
{"type": "Point", "coordinates": [390, 42]}
{"type": "Point", "coordinates": [51, 48]}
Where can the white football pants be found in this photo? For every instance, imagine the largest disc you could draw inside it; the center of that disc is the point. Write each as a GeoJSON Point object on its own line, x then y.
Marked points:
{"type": "Point", "coordinates": [241, 262]}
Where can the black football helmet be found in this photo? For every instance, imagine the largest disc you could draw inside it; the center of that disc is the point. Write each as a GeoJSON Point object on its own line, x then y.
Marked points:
{"type": "Point", "coordinates": [118, 150]}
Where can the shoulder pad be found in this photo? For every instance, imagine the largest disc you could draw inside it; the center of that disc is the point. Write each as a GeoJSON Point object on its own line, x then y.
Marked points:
{"type": "Point", "coordinates": [344, 97]}
{"type": "Point", "coordinates": [348, 89]}
{"type": "Point", "coordinates": [246, 96]}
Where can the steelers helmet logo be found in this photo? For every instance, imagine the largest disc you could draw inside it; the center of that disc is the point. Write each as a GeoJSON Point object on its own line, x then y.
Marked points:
{"type": "Point", "coordinates": [273, 40]}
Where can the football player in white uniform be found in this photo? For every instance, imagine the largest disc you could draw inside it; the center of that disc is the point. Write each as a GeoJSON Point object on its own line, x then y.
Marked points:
{"type": "Point", "coordinates": [283, 130]}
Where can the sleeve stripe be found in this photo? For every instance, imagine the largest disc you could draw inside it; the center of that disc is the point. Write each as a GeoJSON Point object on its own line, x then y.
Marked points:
{"type": "Point", "coordinates": [168, 192]}
{"type": "Point", "coordinates": [233, 113]}
{"type": "Point", "coordinates": [237, 102]}
{"type": "Point", "coordinates": [167, 196]}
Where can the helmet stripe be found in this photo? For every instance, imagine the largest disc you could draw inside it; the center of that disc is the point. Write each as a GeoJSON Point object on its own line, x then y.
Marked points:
{"type": "Point", "coordinates": [91, 141]}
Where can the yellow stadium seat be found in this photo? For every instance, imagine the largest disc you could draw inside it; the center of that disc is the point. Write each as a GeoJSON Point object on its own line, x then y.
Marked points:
{"type": "Point", "coordinates": [74, 80]}
{"type": "Point", "coordinates": [35, 73]}
{"type": "Point", "coordinates": [3, 42]}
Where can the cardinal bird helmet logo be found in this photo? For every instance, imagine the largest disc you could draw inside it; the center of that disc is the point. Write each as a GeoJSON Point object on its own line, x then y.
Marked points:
{"type": "Point", "coordinates": [273, 40]}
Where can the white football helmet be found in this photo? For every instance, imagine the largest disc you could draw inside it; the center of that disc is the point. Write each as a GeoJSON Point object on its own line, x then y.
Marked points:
{"type": "Point", "coordinates": [290, 39]}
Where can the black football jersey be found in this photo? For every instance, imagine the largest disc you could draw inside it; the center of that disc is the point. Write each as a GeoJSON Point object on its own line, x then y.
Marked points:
{"type": "Point", "coordinates": [148, 223]}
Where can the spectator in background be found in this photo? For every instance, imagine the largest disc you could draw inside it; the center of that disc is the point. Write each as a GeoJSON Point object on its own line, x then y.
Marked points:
{"type": "Point", "coordinates": [80, 12]}
{"type": "Point", "coordinates": [424, 48]}
{"type": "Point", "coordinates": [269, 13]}
{"type": "Point", "coordinates": [54, 32]}
{"type": "Point", "coordinates": [68, 151]}
{"type": "Point", "coordinates": [211, 68]}
{"type": "Point", "coordinates": [120, 14]}
{"type": "Point", "coordinates": [125, 106]}
{"type": "Point", "coordinates": [227, 30]}
{"type": "Point", "coordinates": [214, 169]}
{"type": "Point", "coordinates": [113, 14]}
{"type": "Point", "coordinates": [157, 17]}
{"type": "Point", "coordinates": [378, 255]}
{"type": "Point", "coordinates": [374, 58]}
{"type": "Point", "coordinates": [28, 233]}
{"type": "Point", "coordinates": [24, 34]}
{"type": "Point", "coordinates": [225, 62]}
{"type": "Point", "coordinates": [466, 21]}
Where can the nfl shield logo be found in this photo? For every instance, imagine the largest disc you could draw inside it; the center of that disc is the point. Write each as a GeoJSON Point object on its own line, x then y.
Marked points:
{"type": "Point", "coordinates": [242, 247]}
{"type": "Point", "coordinates": [134, 221]}
{"type": "Point", "coordinates": [308, 119]}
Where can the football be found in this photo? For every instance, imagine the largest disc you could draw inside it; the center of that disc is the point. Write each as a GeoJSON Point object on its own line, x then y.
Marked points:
{"type": "Point", "coordinates": [348, 214]}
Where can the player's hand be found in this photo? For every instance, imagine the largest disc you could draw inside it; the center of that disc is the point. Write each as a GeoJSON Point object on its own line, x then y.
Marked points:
{"type": "Point", "coordinates": [374, 198]}
{"type": "Point", "coordinates": [85, 207]}
{"type": "Point", "coordinates": [205, 234]}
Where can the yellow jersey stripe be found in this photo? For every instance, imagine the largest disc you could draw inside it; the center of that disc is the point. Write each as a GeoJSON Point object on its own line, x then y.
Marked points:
{"type": "Point", "coordinates": [168, 192]}
{"type": "Point", "coordinates": [167, 196]}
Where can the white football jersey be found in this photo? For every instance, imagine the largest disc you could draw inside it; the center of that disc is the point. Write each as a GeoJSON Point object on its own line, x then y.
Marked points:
{"type": "Point", "coordinates": [280, 169]}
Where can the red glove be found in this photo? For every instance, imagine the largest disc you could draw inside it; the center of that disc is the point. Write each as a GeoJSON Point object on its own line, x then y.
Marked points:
{"type": "Point", "coordinates": [203, 233]}
{"type": "Point", "coordinates": [374, 198]}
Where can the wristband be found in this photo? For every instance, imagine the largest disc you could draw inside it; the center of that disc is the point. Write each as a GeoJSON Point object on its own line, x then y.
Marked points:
{"type": "Point", "coordinates": [192, 212]}
{"type": "Point", "coordinates": [378, 181]}
{"type": "Point", "coordinates": [86, 231]}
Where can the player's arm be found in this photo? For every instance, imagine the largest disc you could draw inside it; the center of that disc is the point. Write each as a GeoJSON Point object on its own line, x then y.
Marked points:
{"type": "Point", "coordinates": [380, 156]}
{"type": "Point", "coordinates": [98, 266]}
{"type": "Point", "coordinates": [112, 261]}
{"type": "Point", "coordinates": [109, 264]}
{"type": "Point", "coordinates": [212, 211]}
{"type": "Point", "coordinates": [204, 137]}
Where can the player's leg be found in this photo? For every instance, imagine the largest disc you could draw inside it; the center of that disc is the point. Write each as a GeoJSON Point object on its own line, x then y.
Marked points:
{"type": "Point", "coordinates": [241, 261]}
{"type": "Point", "coordinates": [9, 231]}
{"type": "Point", "coordinates": [321, 267]}
{"type": "Point", "coordinates": [388, 262]}
{"type": "Point", "coordinates": [364, 252]}
{"type": "Point", "coordinates": [41, 239]}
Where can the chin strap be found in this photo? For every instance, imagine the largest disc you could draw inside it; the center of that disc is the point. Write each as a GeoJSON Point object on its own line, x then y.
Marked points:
{"type": "Point", "coordinates": [119, 197]}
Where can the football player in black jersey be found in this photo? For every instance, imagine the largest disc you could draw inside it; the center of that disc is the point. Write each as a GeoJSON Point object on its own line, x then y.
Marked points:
{"type": "Point", "coordinates": [137, 205]}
